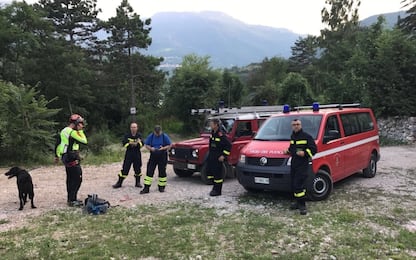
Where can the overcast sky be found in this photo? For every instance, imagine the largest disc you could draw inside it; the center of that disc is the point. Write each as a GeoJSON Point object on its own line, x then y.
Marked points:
{"type": "Point", "coordinates": [300, 16]}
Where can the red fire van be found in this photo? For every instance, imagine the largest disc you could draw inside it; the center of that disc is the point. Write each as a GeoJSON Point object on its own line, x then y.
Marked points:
{"type": "Point", "coordinates": [346, 137]}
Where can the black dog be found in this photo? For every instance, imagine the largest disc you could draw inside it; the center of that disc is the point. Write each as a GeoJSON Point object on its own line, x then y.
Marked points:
{"type": "Point", "coordinates": [24, 185]}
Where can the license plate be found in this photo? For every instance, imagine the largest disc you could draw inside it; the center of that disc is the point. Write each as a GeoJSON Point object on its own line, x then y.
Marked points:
{"type": "Point", "coordinates": [261, 180]}
{"type": "Point", "coordinates": [191, 166]}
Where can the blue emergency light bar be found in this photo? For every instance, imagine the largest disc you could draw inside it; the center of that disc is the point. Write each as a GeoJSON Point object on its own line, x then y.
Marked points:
{"type": "Point", "coordinates": [286, 108]}
{"type": "Point", "coordinates": [316, 106]}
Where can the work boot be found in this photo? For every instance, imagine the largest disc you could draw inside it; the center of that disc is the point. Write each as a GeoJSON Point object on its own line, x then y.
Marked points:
{"type": "Point", "coordinates": [294, 206]}
{"type": "Point", "coordinates": [145, 189]}
{"type": "Point", "coordinates": [161, 188]}
{"type": "Point", "coordinates": [302, 207]}
{"type": "Point", "coordinates": [119, 182]}
{"type": "Point", "coordinates": [216, 190]}
{"type": "Point", "coordinates": [214, 193]}
{"type": "Point", "coordinates": [138, 185]}
{"type": "Point", "coordinates": [75, 203]}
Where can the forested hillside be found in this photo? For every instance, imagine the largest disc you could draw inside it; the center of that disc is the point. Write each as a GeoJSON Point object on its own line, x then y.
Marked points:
{"type": "Point", "coordinates": [52, 65]}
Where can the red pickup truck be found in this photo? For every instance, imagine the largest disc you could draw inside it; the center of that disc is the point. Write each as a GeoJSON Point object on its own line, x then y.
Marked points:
{"type": "Point", "coordinates": [240, 126]}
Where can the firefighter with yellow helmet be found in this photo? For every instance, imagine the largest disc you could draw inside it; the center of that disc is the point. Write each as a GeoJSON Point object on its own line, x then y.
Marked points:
{"type": "Point", "coordinates": [67, 150]}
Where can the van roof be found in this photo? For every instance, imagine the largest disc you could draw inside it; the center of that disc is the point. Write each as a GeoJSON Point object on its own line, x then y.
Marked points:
{"type": "Point", "coordinates": [322, 111]}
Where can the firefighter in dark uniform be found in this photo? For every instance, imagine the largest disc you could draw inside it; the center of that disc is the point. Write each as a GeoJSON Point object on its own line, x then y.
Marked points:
{"type": "Point", "coordinates": [132, 141]}
{"type": "Point", "coordinates": [302, 148]}
{"type": "Point", "coordinates": [158, 143]}
{"type": "Point", "coordinates": [219, 150]}
{"type": "Point", "coordinates": [67, 150]}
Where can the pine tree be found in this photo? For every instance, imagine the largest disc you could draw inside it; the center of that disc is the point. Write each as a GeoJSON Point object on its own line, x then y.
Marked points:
{"type": "Point", "coordinates": [409, 22]}
{"type": "Point", "coordinates": [303, 53]}
{"type": "Point", "coordinates": [75, 20]}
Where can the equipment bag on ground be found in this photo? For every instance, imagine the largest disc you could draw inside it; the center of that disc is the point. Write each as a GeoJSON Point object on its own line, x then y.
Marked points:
{"type": "Point", "coordinates": [95, 205]}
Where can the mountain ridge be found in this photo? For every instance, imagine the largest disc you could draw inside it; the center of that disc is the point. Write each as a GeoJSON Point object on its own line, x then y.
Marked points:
{"type": "Point", "coordinates": [228, 41]}
{"type": "Point", "coordinates": [391, 19]}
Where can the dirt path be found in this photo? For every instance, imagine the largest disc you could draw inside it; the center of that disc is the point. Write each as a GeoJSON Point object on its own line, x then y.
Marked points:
{"type": "Point", "coordinates": [395, 169]}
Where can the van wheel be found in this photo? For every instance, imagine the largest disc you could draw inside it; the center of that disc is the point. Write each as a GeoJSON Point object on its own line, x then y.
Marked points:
{"type": "Point", "coordinates": [204, 176]}
{"type": "Point", "coordinates": [320, 186]}
{"type": "Point", "coordinates": [371, 169]}
{"type": "Point", "coordinates": [183, 173]}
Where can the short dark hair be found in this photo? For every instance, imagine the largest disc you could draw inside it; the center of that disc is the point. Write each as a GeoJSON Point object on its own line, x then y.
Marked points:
{"type": "Point", "coordinates": [216, 121]}
{"type": "Point", "coordinates": [158, 128]}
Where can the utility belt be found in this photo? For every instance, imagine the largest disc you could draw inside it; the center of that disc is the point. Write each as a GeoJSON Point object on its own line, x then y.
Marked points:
{"type": "Point", "coordinates": [133, 151]}
{"type": "Point", "coordinates": [159, 155]}
{"type": "Point", "coordinates": [216, 155]}
{"type": "Point", "coordinates": [71, 158]}
{"type": "Point", "coordinates": [159, 152]}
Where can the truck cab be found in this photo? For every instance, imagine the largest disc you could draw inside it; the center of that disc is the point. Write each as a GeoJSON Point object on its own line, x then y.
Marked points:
{"type": "Point", "coordinates": [239, 125]}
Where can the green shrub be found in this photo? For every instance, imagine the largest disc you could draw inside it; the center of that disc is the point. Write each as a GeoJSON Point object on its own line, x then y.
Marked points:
{"type": "Point", "coordinates": [100, 140]}
{"type": "Point", "coordinates": [26, 128]}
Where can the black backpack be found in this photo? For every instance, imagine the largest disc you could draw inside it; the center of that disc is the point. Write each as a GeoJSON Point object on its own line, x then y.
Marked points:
{"type": "Point", "coordinates": [95, 205]}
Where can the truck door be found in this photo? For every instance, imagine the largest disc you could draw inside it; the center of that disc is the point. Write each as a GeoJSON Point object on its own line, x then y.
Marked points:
{"type": "Point", "coordinates": [242, 135]}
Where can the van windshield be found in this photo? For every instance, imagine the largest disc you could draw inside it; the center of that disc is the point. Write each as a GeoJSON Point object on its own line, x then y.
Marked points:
{"type": "Point", "coordinates": [280, 128]}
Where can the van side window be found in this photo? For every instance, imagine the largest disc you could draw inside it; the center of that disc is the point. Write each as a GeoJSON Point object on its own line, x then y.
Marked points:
{"type": "Point", "coordinates": [365, 121]}
{"type": "Point", "coordinates": [332, 131]}
{"type": "Point", "coordinates": [356, 123]}
{"type": "Point", "coordinates": [244, 129]}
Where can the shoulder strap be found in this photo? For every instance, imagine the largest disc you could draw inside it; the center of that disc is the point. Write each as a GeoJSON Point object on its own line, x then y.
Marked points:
{"type": "Point", "coordinates": [71, 141]}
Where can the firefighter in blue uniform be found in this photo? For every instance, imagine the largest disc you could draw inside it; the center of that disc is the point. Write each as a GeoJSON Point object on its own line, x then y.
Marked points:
{"type": "Point", "coordinates": [302, 148]}
{"type": "Point", "coordinates": [219, 150]}
{"type": "Point", "coordinates": [158, 143]}
{"type": "Point", "coordinates": [132, 141]}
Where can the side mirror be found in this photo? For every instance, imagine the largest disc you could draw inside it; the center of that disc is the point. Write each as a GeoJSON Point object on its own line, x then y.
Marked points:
{"type": "Point", "coordinates": [332, 135]}
{"type": "Point", "coordinates": [253, 134]}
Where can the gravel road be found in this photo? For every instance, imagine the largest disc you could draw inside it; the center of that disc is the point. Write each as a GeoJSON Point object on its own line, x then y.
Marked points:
{"type": "Point", "coordinates": [395, 174]}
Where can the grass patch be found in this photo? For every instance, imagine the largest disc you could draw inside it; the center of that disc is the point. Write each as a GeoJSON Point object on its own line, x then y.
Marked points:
{"type": "Point", "coordinates": [186, 230]}
{"type": "Point", "coordinates": [4, 221]}
{"type": "Point", "coordinates": [110, 154]}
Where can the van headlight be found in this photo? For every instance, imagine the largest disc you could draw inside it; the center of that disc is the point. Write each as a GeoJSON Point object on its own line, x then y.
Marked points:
{"type": "Point", "coordinates": [172, 151]}
{"type": "Point", "coordinates": [195, 153]}
{"type": "Point", "coordinates": [242, 158]}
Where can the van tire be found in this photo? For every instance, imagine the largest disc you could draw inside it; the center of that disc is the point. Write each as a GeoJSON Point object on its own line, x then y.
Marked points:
{"type": "Point", "coordinates": [183, 173]}
{"type": "Point", "coordinates": [371, 169]}
{"type": "Point", "coordinates": [320, 186]}
{"type": "Point", "coordinates": [204, 176]}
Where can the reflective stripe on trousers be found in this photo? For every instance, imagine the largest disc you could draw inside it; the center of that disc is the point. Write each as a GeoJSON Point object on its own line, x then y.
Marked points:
{"type": "Point", "coordinates": [162, 181]}
{"type": "Point", "coordinates": [148, 180]}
